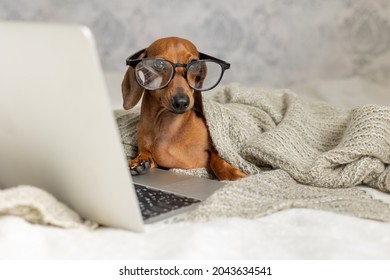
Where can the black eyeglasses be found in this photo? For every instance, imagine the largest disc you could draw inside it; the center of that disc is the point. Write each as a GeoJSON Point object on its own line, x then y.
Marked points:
{"type": "Point", "coordinates": [156, 73]}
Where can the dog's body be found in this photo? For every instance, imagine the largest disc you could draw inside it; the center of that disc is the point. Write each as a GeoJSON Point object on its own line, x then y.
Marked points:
{"type": "Point", "coordinates": [172, 131]}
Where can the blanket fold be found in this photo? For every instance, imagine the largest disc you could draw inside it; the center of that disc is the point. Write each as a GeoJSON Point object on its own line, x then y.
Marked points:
{"type": "Point", "coordinates": [316, 143]}
{"type": "Point", "coordinates": [272, 191]}
{"type": "Point", "coordinates": [39, 207]}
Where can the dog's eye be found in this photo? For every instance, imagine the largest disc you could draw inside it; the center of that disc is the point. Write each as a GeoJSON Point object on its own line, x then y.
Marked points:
{"type": "Point", "coordinates": [194, 67]}
{"type": "Point", "coordinates": [159, 65]}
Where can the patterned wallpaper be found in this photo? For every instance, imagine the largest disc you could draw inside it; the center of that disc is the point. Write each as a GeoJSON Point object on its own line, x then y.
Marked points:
{"type": "Point", "coordinates": [268, 42]}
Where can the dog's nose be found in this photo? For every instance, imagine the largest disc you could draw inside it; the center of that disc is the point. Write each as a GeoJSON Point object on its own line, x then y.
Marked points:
{"type": "Point", "coordinates": [180, 103]}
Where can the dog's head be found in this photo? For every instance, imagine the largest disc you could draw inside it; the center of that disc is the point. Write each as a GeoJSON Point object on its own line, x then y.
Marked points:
{"type": "Point", "coordinates": [174, 89]}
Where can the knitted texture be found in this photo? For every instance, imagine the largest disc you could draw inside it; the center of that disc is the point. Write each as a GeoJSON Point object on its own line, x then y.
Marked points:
{"type": "Point", "coordinates": [127, 122]}
{"type": "Point", "coordinates": [300, 154]}
{"type": "Point", "coordinates": [39, 207]}
{"type": "Point", "coordinates": [272, 191]}
{"type": "Point", "coordinates": [316, 143]}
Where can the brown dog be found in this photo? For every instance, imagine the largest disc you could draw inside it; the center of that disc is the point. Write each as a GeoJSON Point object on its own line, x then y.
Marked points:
{"type": "Point", "coordinates": [172, 132]}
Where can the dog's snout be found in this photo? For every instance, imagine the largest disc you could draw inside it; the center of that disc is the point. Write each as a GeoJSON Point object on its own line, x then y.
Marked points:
{"type": "Point", "coordinates": [180, 103]}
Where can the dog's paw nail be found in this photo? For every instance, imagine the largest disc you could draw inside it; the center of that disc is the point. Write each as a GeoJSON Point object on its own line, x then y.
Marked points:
{"type": "Point", "coordinates": [139, 169]}
{"type": "Point", "coordinates": [147, 165]}
{"type": "Point", "coordinates": [133, 172]}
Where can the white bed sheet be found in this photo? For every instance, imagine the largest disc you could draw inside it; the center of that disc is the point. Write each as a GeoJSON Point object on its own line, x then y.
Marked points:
{"type": "Point", "coordinates": [290, 234]}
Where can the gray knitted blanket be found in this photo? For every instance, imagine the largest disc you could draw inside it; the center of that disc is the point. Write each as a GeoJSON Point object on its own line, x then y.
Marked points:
{"type": "Point", "coordinates": [299, 154]}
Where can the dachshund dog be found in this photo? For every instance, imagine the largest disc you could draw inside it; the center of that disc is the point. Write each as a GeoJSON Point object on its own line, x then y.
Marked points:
{"type": "Point", "coordinates": [172, 133]}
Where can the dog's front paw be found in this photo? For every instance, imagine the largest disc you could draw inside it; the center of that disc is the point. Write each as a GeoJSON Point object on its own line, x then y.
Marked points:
{"type": "Point", "coordinates": [141, 164]}
{"type": "Point", "coordinates": [138, 167]}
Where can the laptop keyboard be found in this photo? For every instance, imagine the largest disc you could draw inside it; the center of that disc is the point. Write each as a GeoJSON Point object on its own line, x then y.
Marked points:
{"type": "Point", "coordinates": [155, 202]}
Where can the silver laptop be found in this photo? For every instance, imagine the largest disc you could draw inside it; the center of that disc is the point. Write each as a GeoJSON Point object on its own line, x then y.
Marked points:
{"type": "Point", "coordinates": [57, 131]}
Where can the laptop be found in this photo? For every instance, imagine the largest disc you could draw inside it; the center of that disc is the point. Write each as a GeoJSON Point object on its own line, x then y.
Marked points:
{"type": "Point", "coordinates": [58, 132]}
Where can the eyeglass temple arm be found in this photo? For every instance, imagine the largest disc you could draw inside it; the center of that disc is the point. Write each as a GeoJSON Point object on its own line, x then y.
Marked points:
{"type": "Point", "coordinates": [134, 56]}
{"type": "Point", "coordinates": [206, 56]}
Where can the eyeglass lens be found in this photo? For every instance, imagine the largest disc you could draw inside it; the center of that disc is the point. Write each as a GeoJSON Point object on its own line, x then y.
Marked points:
{"type": "Point", "coordinates": [155, 74]}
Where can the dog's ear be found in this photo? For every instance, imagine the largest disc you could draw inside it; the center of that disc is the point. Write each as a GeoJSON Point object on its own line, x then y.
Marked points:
{"type": "Point", "coordinates": [131, 91]}
{"type": "Point", "coordinates": [198, 102]}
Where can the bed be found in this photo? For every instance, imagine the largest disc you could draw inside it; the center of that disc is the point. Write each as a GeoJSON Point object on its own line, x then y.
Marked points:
{"type": "Point", "coordinates": [336, 52]}
{"type": "Point", "coordinates": [287, 233]}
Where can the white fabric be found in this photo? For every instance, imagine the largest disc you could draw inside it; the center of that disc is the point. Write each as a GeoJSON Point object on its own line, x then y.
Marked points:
{"type": "Point", "coordinates": [291, 234]}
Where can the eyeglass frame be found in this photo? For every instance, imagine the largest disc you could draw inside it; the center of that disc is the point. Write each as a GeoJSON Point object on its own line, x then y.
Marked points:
{"type": "Point", "coordinates": [133, 60]}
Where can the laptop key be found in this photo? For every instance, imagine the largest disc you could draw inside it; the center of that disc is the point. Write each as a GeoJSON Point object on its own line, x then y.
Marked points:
{"type": "Point", "coordinates": [155, 202]}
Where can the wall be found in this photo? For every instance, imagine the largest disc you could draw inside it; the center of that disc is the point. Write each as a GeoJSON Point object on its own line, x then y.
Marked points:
{"type": "Point", "coordinates": [272, 43]}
